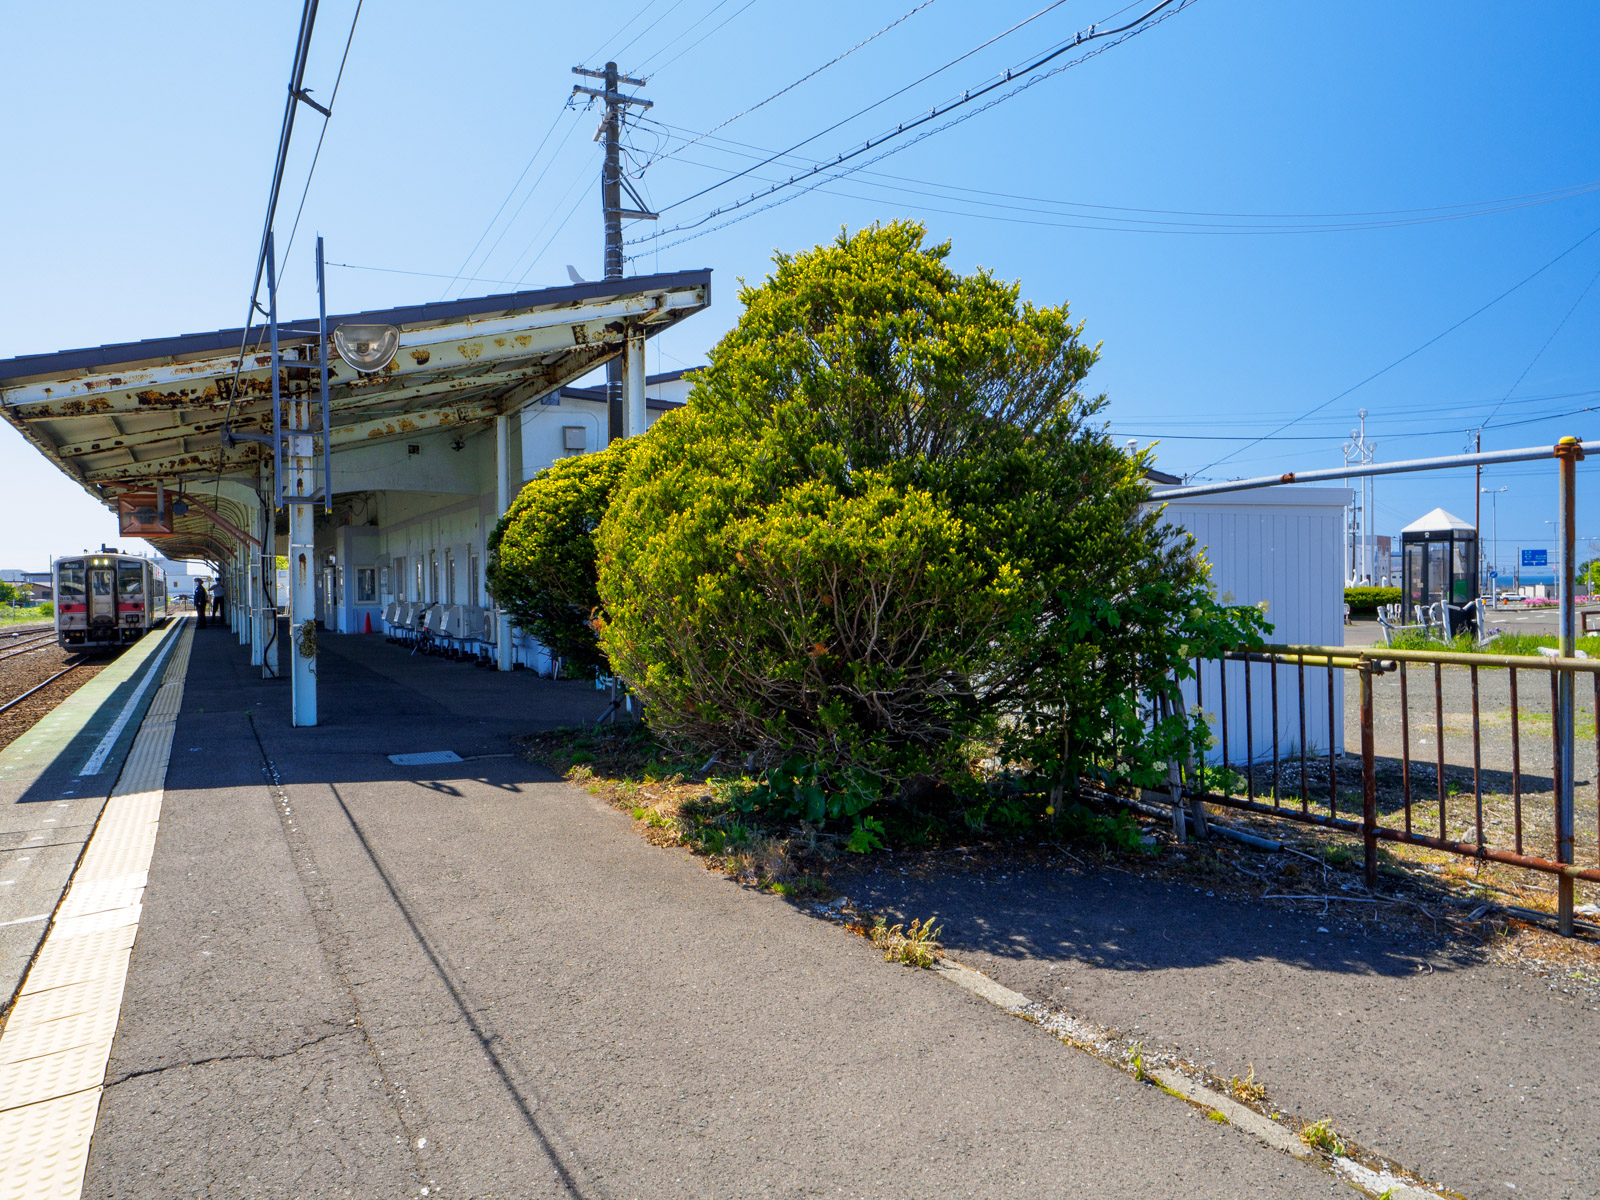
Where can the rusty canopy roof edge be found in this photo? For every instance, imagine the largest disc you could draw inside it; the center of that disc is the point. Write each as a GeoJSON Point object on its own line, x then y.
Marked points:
{"type": "Point", "coordinates": [90, 358]}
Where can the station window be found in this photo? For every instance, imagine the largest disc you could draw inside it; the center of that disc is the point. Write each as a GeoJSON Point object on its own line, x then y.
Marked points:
{"type": "Point", "coordinates": [433, 576]}
{"type": "Point", "coordinates": [366, 585]}
{"type": "Point", "coordinates": [421, 595]}
{"type": "Point", "coordinates": [399, 579]}
{"type": "Point", "coordinates": [472, 580]}
{"type": "Point", "coordinates": [449, 577]}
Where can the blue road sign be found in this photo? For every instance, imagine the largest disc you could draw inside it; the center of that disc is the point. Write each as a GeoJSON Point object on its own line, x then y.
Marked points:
{"type": "Point", "coordinates": [1536, 558]}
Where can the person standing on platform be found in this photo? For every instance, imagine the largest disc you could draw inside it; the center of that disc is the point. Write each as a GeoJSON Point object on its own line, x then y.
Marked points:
{"type": "Point", "coordinates": [200, 601]}
{"type": "Point", "coordinates": [219, 602]}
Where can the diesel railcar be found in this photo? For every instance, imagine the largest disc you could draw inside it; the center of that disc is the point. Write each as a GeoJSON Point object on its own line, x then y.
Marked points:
{"type": "Point", "coordinates": [107, 599]}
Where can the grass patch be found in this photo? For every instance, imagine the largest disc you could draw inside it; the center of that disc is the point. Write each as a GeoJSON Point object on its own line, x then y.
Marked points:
{"type": "Point", "coordinates": [1319, 1135]}
{"type": "Point", "coordinates": [25, 616]}
{"type": "Point", "coordinates": [915, 946]}
{"type": "Point", "coordinates": [1220, 1118]}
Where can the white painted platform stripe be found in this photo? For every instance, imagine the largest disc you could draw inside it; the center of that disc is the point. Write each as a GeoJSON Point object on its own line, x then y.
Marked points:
{"type": "Point", "coordinates": [57, 1039]}
{"type": "Point", "coordinates": [97, 760]}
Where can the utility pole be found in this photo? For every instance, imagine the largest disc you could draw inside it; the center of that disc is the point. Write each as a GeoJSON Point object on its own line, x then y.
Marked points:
{"type": "Point", "coordinates": [1363, 538]}
{"type": "Point", "coordinates": [612, 186]}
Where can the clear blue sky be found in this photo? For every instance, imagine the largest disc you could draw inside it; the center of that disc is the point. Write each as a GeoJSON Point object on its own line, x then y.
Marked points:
{"type": "Point", "coordinates": [139, 143]}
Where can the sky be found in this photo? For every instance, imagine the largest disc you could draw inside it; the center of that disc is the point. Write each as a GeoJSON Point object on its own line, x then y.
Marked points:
{"type": "Point", "coordinates": [1269, 216]}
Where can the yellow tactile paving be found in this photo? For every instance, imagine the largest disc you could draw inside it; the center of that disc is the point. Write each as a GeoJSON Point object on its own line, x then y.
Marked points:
{"type": "Point", "coordinates": [83, 1028]}
{"type": "Point", "coordinates": [58, 1037]}
{"type": "Point", "coordinates": [39, 1145]}
{"type": "Point", "coordinates": [63, 1003]}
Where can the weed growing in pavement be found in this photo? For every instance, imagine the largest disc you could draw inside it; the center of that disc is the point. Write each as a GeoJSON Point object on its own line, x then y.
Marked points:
{"type": "Point", "coordinates": [1319, 1135]}
{"type": "Point", "coordinates": [1249, 1089]}
{"type": "Point", "coordinates": [1219, 1117]}
{"type": "Point", "coordinates": [1136, 1061]}
{"type": "Point", "coordinates": [916, 946]}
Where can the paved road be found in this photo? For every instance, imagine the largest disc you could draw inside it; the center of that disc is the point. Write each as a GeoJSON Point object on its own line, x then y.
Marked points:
{"type": "Point", "coordinates": [1478, 1075]}
{"type": "Point", "coordinates": [375, 980]}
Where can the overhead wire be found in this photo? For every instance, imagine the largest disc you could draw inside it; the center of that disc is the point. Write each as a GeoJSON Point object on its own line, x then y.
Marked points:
{"type": "Point", "coordinates": [623, 28]}
{"type": "Point", "coordinates": [1149, 20]}
{"type": "Point", "coordinates": [1435, 215]}
{"type": "Point", "coordinates": [875, 104]}
{"type": "Point", "coordinates": [328, 116]}
{"type": "Point", "coordinates": [811, 74]}
{"type": "Point", "coordinates": [1560, 325]}
{"type": "Point", "coordinates": [1410, 354]}
{"type": "Point", "coordinates": [533, 158]}
{"type": "Point", "coordinates": [721, 25]}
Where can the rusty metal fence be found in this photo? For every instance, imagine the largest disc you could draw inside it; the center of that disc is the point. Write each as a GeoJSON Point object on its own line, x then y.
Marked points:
{"type": "Point", "coordinates": [1520, 810]}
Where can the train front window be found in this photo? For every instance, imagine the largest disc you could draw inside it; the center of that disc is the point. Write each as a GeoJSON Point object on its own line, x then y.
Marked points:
{"type": "Point", "coordinates": [100, 581]}
{"type": "Point", "coordinates": [70, 582]}
{"type": "Point", "coordinates": [130, 582]}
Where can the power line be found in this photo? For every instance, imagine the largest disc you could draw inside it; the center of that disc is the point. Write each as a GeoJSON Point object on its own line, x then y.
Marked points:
{"type": "Point", "coordinates": [327, 115]}
{"type": "Point", "coordinates": [875, 104]}
{"type": "Point", "coordinates": [1122, 224]}
{"type": "Point", "coordinates": [648, 5]}
{"type": "Point", "coordinates": [722, 24]}
{"type": "Point", "coordinates": [836, 59]}
{"type": "Point", "coordinates": [1120, 34]}
{"type": "Point", "coordinates": [618, 52]}
{"type": "Point", "coordinates": [1413, 353]}
{"type": "Point", "coordinates": [533, 158]}
{"type": "Point", "coordinates": [1560, 325]}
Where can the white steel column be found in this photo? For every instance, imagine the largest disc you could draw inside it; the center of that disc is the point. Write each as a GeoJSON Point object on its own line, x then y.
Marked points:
{"type": "Point", "coordinates": [633, 382]}
{"type": "Point", "coordinates": [251, 600]}
{"type": "Point", "coordinates": [300, 485]}
{"type": "Point", "coordinates": [502, 501]}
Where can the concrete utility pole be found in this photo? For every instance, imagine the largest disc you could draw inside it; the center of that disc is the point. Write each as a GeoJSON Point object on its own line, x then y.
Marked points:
{"type": "Point", "coordinates": [612, 186]}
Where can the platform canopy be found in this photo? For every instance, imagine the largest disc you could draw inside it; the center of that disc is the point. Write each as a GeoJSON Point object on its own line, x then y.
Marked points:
{"type": "Point", "coordinates": [124, 420]}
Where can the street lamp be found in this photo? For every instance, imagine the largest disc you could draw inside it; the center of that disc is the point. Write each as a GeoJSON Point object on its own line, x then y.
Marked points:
{"type": "Point", "coordinates": [1494, 520]}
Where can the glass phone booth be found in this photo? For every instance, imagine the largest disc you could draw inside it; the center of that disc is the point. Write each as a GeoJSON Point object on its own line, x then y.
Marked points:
{"type": "Point", "coordinates": [1440, 563]}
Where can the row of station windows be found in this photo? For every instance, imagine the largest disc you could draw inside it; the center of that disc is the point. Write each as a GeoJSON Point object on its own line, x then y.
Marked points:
{"type": "Point", "coordinates": [432, 579]}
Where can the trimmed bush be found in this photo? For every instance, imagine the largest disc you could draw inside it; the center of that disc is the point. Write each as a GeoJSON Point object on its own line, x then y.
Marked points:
{"type": "Point", "coordinates": [1367, 599]}
{"type": "Point", "coordinates": [541, 566]}
{"type": "Point", "coordinates": [887, 530]}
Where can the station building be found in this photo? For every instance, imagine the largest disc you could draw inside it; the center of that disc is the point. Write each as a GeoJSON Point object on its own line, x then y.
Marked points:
{"type": "Point", "coordinates": [424, 453]}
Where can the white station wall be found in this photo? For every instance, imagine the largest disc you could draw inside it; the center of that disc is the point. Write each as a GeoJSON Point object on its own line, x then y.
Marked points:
{"type": "Point", "coordinates": [1279, 546]}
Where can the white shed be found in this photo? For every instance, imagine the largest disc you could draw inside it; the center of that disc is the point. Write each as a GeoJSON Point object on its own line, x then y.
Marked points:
{"type": "Point", "coordinates": [1280, 547]}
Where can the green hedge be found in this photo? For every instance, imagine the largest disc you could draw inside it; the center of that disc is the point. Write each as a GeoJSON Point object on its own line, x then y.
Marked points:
{"type": "Point", "coordinates": [889, 534]}
{"type": "Point", "coordinates": [1367, 599]}
{"type": "Point", "coordinates": [541, 566]}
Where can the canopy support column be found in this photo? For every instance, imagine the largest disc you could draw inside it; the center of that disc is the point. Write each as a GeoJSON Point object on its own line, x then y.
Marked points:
{"type": "Point", "coordinates": [633, 381]}
{"type": "Point", "coordinates": [502, 501]}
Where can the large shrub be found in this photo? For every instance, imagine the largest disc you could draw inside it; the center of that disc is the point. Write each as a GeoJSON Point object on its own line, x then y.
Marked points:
{"type": "Point", "coordinates": [887, 530]}
{"type": "Point", "coordinates": [542, 558]}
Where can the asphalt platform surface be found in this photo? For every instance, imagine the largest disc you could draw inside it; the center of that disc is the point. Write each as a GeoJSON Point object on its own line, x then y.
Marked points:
{"type": "Point", "coordinates": [358, 979]}
{"type": "Point", "coordinates": [1476, 1075]}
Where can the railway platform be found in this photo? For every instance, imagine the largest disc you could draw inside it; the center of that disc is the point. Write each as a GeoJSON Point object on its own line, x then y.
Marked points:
{"type": "Point", "coordinates": [347, 975]}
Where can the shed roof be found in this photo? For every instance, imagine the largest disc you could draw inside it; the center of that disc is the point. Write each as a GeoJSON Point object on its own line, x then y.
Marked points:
{"type": "Point", "coordinates": [124, 417]}
{"type": "Point", "coordinates": [1439, 521]}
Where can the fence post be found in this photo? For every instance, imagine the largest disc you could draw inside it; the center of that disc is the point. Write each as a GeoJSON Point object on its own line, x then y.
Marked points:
{"type": "Point", "coordinates": [1568, 451]}
{"type": "Point", "coordinates": [1369, 779]}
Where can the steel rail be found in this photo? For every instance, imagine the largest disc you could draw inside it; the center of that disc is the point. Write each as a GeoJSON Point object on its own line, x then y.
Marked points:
{"type": "Point", "coordinates": [42, 642]}
{"type": "Point", "coordinates": [12, 703]}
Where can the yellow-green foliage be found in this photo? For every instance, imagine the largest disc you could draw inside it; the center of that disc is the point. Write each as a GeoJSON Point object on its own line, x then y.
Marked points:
{"type": "Point", "coordinates": [542, 557]}
{"type": "Point", "coordinates": [887, 520]}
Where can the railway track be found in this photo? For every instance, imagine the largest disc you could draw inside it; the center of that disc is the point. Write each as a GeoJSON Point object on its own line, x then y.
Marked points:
{"type": "Point", "coordinates": [27, 643]}
{"type": "Point", "coordinates": [39, 687]}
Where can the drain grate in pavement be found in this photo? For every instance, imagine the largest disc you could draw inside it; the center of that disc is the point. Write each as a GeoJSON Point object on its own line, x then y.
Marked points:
{"type": "Point", "coordinates": [424, 758]}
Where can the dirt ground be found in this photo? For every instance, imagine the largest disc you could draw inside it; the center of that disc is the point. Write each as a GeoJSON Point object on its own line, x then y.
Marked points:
{"type": "Point", "coordinates": [22, 668]}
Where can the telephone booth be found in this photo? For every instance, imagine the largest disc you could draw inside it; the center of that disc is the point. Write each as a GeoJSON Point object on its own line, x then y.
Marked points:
{"type": "Point", "coordinates": [1441, 563]}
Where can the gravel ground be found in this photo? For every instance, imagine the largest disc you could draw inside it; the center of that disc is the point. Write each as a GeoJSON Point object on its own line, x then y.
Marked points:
{"type": "Point", "coordinates": [19, 672]}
